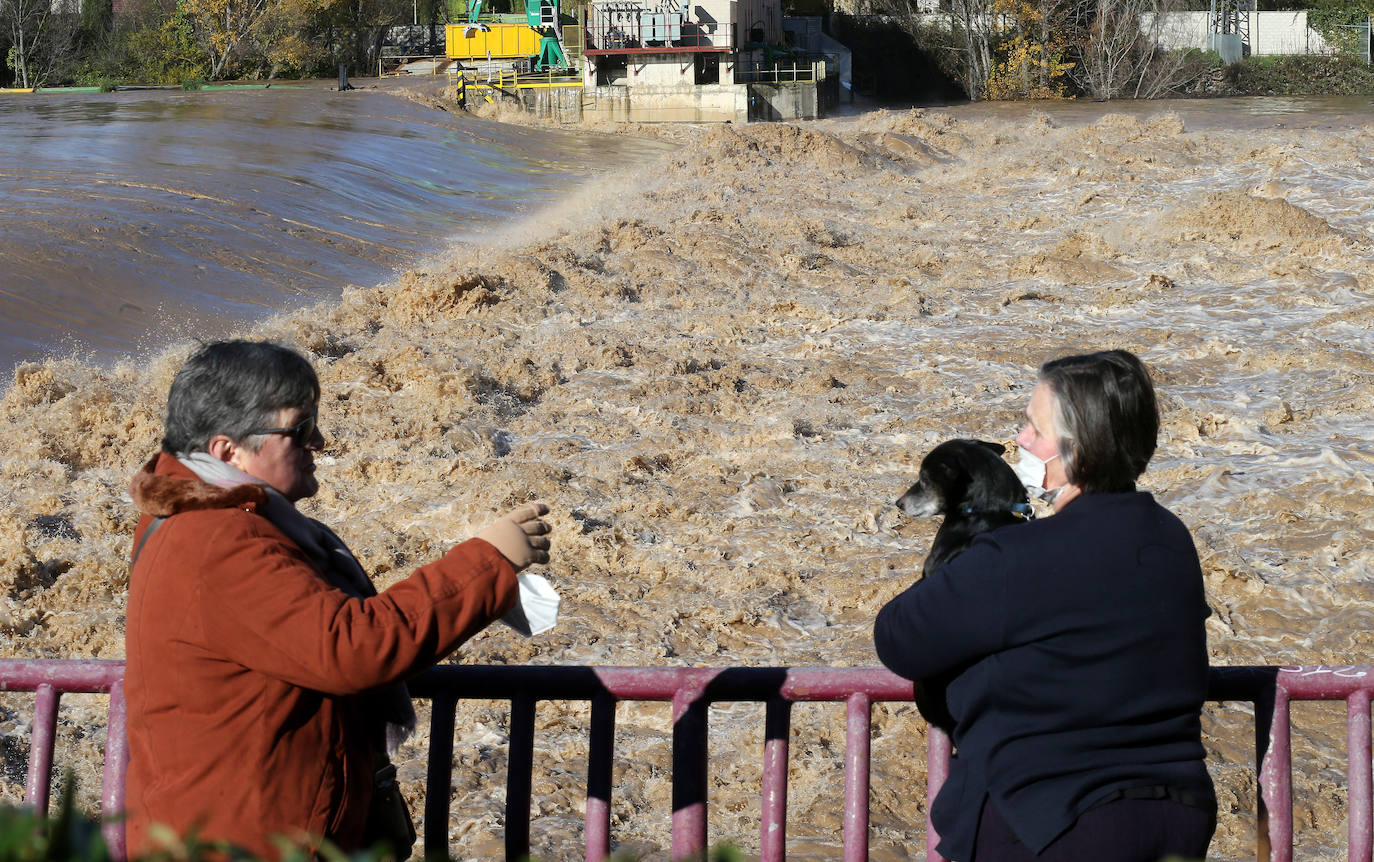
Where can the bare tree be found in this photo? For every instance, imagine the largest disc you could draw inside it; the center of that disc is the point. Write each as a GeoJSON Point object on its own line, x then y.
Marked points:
{"type": "Point", "coordinates": [1122, 54]}
{"type": "Point", "coordinates": [967, 29]}
{"type": "Point", "coordinates": [42, 36]}
{"type": "Point", "coordinates": [975, 21]}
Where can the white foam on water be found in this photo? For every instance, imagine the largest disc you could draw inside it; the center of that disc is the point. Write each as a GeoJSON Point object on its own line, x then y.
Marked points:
{"type": "Point", "coordinates": [722, 375]}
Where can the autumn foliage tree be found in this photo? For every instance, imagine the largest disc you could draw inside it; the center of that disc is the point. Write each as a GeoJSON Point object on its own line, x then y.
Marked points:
{"type": "Point", "coordinates": [220, 28]}
{"type": "Point", "coordinates": [291, 37]}
{"type": "Point", "coordinates": [1048, 49]}
{"type": "Point", "coordinates": [257, 38]}
{"type": "Point", "coordinates": [1031, 58]}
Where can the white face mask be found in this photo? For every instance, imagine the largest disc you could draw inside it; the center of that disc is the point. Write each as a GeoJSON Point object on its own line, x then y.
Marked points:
{"type": "Point", "coordinates": [1030, 469]}
{"type": "Point", "coordinates": [537, 610]}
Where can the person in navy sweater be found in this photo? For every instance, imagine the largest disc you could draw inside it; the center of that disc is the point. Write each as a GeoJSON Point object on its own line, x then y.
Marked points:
{"type": "Point", "coordinates": [1076, 644]}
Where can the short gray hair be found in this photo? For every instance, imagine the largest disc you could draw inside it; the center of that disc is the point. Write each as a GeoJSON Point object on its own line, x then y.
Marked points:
{"type": "Point", "coordinates": [233, 388]}
{"type": "Point", "coordinates": [1106, 417]}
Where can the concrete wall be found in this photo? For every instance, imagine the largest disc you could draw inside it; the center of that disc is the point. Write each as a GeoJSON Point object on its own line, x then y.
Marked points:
{"type": "Point", "coordinates": [561, 104]}
{"type": "Point", "coordinates": [715, 20]}
{"type": "Point", "coordinates": [1270, 32]}
{"type": "Point", "coordinates": [684, 103]}
{"type": "Point", "coordinates": [739, 103]}
{"type": "Point", "coordinates": [666, 70]}
{"type": "Point", "coordinates": [789, 101]}
{"type": "Point", "coordinates": [658, 70]}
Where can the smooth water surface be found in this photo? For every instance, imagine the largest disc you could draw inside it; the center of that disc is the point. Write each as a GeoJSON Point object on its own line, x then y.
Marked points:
{"type": "Point", "coordinates": [128, 219]}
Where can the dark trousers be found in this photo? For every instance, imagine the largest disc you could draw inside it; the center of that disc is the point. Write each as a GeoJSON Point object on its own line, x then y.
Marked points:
{"type": "Point", "coordinates": [1127, 830]}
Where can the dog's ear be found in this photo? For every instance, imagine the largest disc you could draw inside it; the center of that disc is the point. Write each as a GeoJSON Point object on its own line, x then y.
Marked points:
{"type": "Point", "coordinates": [995, 447]}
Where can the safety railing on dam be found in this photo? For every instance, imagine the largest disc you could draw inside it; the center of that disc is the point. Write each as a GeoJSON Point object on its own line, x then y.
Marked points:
{"type": "Point", "coordinates": [691, 691]}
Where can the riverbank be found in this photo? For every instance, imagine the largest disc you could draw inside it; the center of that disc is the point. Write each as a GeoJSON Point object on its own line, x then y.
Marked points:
{"type": "Point", "coordinates": [722, 366]}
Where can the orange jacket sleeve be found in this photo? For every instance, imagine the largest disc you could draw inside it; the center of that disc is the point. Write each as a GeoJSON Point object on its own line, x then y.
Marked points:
{"type": "Point", "coordinates": [263, 605]}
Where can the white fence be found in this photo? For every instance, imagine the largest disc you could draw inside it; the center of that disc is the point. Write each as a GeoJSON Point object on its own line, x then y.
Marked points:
{"type": "Point", "coordinates": [1270, 32]}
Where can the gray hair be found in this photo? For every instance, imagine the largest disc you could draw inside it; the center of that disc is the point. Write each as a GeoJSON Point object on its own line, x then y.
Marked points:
{"type": "Point", "coordinates": [233, 388]}
{"type": "Point", "coordinates": [1106, 417]}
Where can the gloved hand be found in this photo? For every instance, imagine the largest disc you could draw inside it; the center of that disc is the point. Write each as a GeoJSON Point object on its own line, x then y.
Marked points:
{"type": "Point", "coordinates": [520, 536]}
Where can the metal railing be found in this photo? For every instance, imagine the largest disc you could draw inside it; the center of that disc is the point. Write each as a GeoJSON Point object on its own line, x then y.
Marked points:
{"type": "Point", "coordinates": [49, 679]}
{"type": "Point", "coordinates": [413, 40]}
{"type": "Point", "coordinates": [691, 691]}
{"type": "Point", "coordinates": [1271, 690]}
{"type": "Point", "coordinates": [509, 84]}
{"type": "Point", "coordinates": [629, 28]}
{"type": "Point", "coordinates": [778, 71]}
{"type": "Point", "coordinates": [506, 80]}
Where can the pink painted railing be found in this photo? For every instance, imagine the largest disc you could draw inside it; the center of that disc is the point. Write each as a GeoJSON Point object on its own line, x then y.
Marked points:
{"type": "Point", "coordinates": [49, 679]}
{"type": "Point", "coordinates": [1271, 690]}
{"type": "Point", "coordinates": [691, 691]}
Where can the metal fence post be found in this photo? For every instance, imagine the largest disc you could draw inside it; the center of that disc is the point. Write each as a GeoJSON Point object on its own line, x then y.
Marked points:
{"type": "Point", "coordinates": [1274, 777]}
{"type": "Point", "coordinates": [600, 753]}
{"type": "Point", "coordinates": [439, 775]}
{"type": "Point", "coordinates": [112, 802]}
{"type": "Point", "coordinates": [777, 731]}
{"type": "Point", "coordinates": [858, 715]}
{"type": "Point", "coordinates": [1359, 776]}
{"type": "Point", "coordinates": [689, 774]}
{"type": "Point", "coordinates": [519, 776]}
{"type": "Point", "coordinates": [41, 743]}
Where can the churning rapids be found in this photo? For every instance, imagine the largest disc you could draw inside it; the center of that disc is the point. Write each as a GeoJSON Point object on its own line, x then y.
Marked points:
{"type": "Point", "coordinates": [720, 362]}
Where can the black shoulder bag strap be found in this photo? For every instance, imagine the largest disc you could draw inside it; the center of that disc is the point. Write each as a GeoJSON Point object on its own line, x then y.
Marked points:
{"type": "Point", "coordinates": [147, 534]}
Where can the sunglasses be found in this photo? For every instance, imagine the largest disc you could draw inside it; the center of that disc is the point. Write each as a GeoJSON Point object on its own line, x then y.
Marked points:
{"type": "Point", "coordinates": [300, 433]}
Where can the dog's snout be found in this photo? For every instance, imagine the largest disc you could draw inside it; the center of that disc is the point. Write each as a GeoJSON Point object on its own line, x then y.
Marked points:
{"type": "Point", "coordinates": [920, 502]}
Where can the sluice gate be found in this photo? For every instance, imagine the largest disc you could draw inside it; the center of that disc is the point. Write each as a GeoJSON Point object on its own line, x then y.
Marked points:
{"type": "Point", "coordinates": [691, 691]}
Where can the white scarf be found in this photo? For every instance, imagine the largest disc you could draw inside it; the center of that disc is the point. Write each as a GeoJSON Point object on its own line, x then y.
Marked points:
{"type": "Point", "coordinates": [331, 557]}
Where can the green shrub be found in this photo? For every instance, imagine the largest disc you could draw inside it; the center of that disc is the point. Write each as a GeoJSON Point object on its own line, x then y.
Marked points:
{"type": "Point", "coordinates": [1302, 75]}
{"type": "Point", "coordinates": [102, 81]}
{"type": "Point", "coordinates": [65, 837]}
{"type": "Point", "coordinates": [69, 836]}
{"type": "Point", "coordinates": [164, 53]}
{"type": "Point", "coordinates": [1343, 28]}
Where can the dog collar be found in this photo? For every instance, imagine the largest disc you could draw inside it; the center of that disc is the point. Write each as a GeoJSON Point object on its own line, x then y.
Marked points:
{"type": "Point", "coordinates": [1020, 510]}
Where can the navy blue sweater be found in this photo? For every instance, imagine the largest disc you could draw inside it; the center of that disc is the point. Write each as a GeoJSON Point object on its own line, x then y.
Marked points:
{"type": "Point", "coordinates": [1084, 664]}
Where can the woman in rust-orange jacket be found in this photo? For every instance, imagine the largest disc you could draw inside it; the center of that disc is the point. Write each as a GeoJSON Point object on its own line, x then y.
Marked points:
{"type": "Point", "coordinates": [260, 682]}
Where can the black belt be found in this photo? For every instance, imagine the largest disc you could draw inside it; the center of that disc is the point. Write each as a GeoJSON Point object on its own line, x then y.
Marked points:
{"type": "Point", "coordinates": [1191, 797]}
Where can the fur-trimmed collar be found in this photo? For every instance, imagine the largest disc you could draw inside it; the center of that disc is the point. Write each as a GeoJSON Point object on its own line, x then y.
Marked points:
{"type": "Point", "coordinates": [165, 487]}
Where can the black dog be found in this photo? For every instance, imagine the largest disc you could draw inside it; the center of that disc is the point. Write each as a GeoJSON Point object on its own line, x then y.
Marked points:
{"type": "Point", "coordinates": [968, 482]}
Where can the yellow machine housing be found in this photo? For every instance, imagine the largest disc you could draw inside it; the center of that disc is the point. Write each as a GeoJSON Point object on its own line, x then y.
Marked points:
{"type": "Point", "coordinates": [501, 42]}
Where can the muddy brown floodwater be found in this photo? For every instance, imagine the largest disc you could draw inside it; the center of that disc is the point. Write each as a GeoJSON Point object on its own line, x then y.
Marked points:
{"type": "Point", "coordinates": [129, 215]}
{"type": "Point", "coordinates": [721, 365]}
